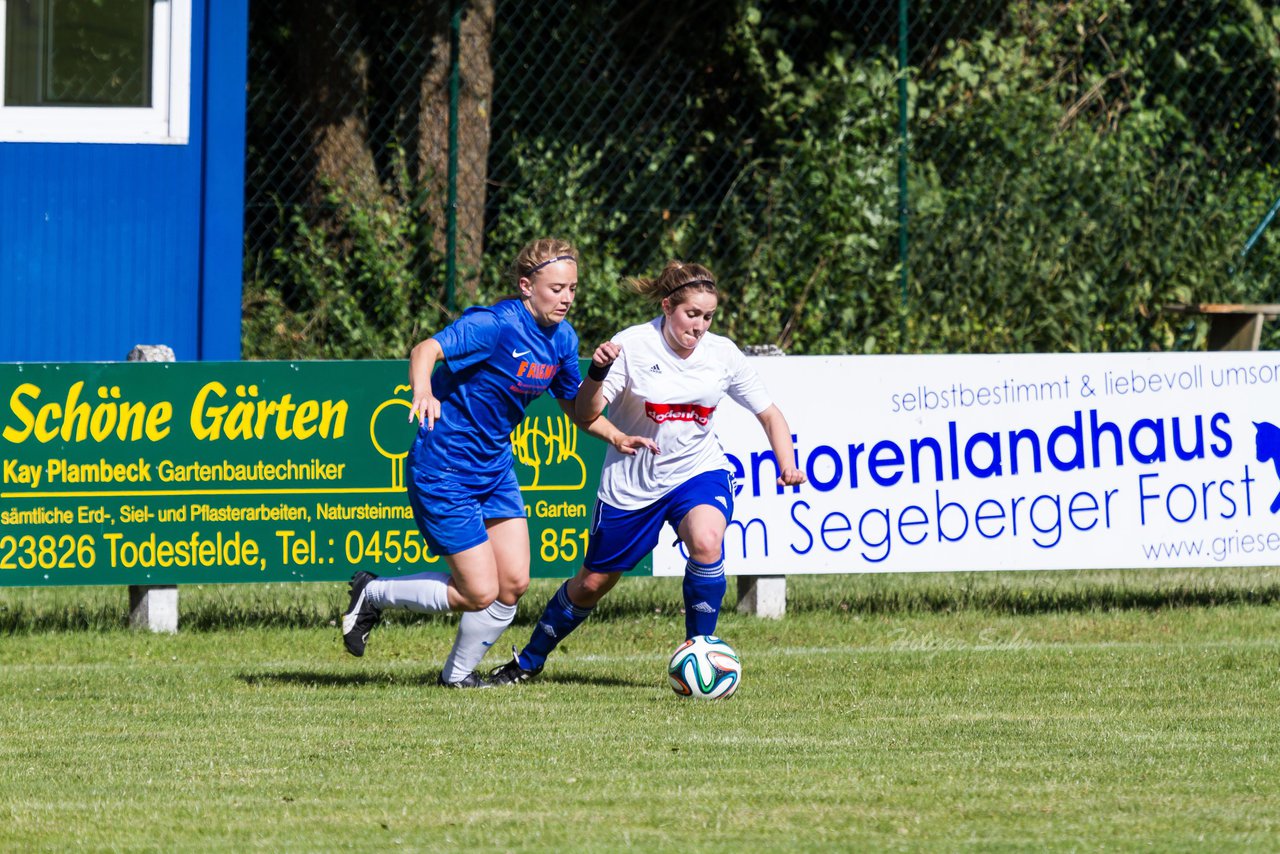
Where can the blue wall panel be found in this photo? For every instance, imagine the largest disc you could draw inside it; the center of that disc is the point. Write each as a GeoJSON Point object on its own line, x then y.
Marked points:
{"type": "Point", "coordinates": [222, 270]}
{"type": "Point", "coordinates": [99, 250]}
{"type": "Point", "coordinates": [106, 246]}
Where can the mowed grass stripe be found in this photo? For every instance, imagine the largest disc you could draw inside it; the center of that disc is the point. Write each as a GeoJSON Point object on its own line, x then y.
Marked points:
{"type": "Point", "coordinates": [930, 647]}
{"type": "Point", "coordinates": [965, 730]}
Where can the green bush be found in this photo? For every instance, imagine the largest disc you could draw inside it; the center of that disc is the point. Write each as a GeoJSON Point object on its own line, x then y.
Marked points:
{"type": "Point", "coordinates": [1073, 170]}
{"type": "Point", "coordinates": [813, 226]}
{"type": "Point", "coordinates": [560, 197]}
{"type": "Point", "coordinates": [1059, 198]}
{"type": "Point", "coordinates": [361, 283]}
{"type": "Point", "coordinates": [1089, 199]}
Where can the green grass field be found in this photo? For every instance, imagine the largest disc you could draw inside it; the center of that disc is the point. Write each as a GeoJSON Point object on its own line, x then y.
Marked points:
{"type": "Point", "coordinates": [1046, 711]}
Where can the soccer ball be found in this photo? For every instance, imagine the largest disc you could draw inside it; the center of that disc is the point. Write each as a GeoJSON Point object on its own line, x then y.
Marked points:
{"type": "Point", "coordinates": [704, 667]}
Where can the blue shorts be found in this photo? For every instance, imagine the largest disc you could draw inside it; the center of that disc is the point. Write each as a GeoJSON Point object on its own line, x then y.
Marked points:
{"type": "Point", "coordinates": [621, 538]}
{"type": "Point", "coordinates": [451, 516]}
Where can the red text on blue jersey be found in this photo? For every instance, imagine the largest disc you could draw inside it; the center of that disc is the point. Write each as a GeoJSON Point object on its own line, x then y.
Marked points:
{"type": "Point", "coordinates": [536, 371]}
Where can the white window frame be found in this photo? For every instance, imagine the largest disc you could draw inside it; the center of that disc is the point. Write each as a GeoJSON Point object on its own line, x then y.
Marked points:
{"type": "Point", "coordinates": [166, 121]}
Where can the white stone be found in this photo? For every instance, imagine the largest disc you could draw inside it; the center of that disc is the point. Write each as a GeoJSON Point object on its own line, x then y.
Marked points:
{"type": "Point", "coordinates": [763, 595]}
{"type": "Point", "coordinates": [151, 353]}
{"type": "Point", "coordinates": [154, 608]}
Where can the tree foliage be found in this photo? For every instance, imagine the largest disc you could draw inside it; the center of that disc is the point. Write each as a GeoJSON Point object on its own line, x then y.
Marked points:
{"type": "Point", "coordinates": [1072, 170]}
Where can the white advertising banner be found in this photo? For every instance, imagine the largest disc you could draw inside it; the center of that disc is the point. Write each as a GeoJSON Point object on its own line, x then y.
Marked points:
{"type": "Point", "coordinates": [962, 463]}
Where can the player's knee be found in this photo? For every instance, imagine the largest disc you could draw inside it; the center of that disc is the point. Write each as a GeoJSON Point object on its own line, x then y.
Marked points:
{"type": "Point", "coordinates": [588, 588]}
{"type": "Point", "coordinates": [705, 546]}
{"type": "Point", "coordinates": [477, 598]}
{"type": "Point", "coordinates": [515, 589]}
{"type": "Point", "coordinates": [474, 602]}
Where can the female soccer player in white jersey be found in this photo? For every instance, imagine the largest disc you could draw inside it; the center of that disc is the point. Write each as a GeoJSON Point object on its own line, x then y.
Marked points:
{"type": "Point", "coordinates": [461, 472]}
{"type": "Point", "coordinates": [662, 380]}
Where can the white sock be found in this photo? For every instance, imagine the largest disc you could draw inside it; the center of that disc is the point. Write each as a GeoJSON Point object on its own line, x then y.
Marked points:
{"type": "Point", "coordinates": [426, 592]}
{"type": "Point", "coordinates": [477, 631]}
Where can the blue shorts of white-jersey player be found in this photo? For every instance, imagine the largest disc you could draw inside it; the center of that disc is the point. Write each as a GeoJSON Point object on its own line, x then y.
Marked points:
{"type": "Point", "coordinates": [698, 511]}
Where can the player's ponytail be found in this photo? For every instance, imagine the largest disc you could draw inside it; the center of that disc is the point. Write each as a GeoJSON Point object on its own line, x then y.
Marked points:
{"type": "Point", "coordinates": [676, 280]}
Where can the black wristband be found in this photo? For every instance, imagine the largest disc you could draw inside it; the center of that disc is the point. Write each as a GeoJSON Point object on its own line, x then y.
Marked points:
{"type": "Point", "coordinates": [598, 372]}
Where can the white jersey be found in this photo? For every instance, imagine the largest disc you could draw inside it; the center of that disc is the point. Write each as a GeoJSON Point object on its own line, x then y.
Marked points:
{"type": "Point", "coordinates": [652, 392]}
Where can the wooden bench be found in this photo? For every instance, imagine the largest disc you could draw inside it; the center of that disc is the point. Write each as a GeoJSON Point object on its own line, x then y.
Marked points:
{"type": "Point", "coordinates": [1232, 326]}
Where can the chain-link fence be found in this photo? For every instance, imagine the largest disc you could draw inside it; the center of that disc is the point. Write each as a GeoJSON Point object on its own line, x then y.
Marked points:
{"type": "Point", "coordinates": [864, 177]}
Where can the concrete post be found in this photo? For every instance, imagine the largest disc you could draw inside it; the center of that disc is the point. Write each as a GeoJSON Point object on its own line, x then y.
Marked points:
{"type": "Point", "coordinates": [153, 607]}
{"type": "Point", "coordinates": [763, 595]}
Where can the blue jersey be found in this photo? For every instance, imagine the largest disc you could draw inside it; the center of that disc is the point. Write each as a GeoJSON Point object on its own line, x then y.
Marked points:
{"type": "Point", "coordinates": [497, 360]}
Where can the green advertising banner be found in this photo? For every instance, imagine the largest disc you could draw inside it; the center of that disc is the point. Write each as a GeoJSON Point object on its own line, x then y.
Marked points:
{"type": "Point", "coordinates": [205, 472]}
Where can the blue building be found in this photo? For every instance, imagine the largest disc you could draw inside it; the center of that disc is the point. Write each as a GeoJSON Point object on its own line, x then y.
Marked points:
{"type": "Point", "coordinates": [121, 177]}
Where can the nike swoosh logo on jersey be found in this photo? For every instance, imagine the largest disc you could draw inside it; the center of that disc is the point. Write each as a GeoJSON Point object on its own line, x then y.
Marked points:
{"type": "Point", "coordinates": [516, 355]}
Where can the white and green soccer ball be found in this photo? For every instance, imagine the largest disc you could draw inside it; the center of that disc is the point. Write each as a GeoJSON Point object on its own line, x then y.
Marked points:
{"type": "Point", "coordinates": [704, 667]}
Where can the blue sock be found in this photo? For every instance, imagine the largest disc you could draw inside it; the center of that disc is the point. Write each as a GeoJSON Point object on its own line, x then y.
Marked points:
{"type": "Point", "coordinates": [704, 586]}
{"type": "Point", "coordinates": [558, 619]}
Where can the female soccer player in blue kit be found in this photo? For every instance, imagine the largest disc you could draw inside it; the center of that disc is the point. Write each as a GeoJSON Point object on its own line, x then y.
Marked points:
{"type": "Point", "coordinates": [662, 381]}
{"type": "Point", "coordinates": [461, 472]}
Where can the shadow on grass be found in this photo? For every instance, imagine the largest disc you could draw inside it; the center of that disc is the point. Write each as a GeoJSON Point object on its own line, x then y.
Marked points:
{"type": "Point", "coordinates": [596, 681]}
{"type": "Point", "coordinates": [65, 619]}
{"type": "Point", "coordinates": [317, 679]}
{"type": "Point", "coordinates": [320, 679]}
{"type": "Point", "coordinates": [212, 608]}
{"type": "Point", "coordinates": [1024, 599]}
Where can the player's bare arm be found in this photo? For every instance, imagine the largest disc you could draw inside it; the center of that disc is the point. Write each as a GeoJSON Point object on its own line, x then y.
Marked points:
{"type": "Point", "coordinates": [602, 428]}
{"type": "Point", "coordinates": [590, 400]}
{"type": "Point", "coordinates": [422, 361]}
{"type": "Point", "coordinates": [779, 434]}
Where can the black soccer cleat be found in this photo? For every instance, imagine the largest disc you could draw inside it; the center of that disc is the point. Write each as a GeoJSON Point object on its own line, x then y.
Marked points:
{"type": "Point", "coordinates": [361, 615]}
{"type": "Point", "coordinates": [512, 673]}
{"type": "Point", "coordinates": [471, 680]}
